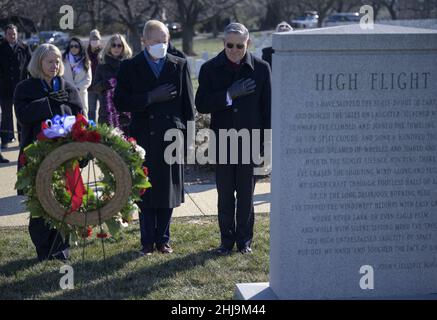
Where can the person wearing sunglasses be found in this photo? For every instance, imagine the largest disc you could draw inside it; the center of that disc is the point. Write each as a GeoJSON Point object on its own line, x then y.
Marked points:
{"type": "Point", "coordinates": [268, 52]}
{"type": "Point", "coordinates": [235, 88]}
{"type": "Point", "coordinates": [115, 51]}
{"type": "Point", "coordinates": [156, 88]}
{"type": "Point", "coordinates": [78, 69]}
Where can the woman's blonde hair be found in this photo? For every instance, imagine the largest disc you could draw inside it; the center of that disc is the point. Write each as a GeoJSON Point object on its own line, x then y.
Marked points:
{"type": "Point", "coordinates": [35, 64]}
{"type": "Point", "coordinates": [125, 54]}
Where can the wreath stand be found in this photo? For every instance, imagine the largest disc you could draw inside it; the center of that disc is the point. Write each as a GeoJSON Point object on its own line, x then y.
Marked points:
{"type": "Point", "coordinates": [92, 151]}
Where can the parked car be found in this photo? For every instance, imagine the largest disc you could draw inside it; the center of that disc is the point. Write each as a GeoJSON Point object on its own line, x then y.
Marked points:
{"type": "Point", "coordinates": [309, 19]}
{"type": "Point", "coordinates": [33, 42]}
{"type": "Point", "coordinates": [342, 18]}
{"type": "Point", "coordinates": [59, 39]}
{"type": "Point", "coordinates": [175, 29]}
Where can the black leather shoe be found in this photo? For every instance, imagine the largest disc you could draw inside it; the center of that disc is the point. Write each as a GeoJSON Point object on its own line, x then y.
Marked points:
{"type": "Point", "coordinates": [223, 251]}
{"type": "Point", "coordinates": [147, 250]}
{"type": "Point", "coordinates": [3, 160]}
{"type": "Point", "coordinates": [245, 250]}
{"type": "Point", "coordinates": [164, 248]}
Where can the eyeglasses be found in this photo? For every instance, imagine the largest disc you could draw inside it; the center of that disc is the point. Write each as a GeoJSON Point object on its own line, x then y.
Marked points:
{"type": "Point", "coordinates": [231, 45]}
{"type": "Point", "coordinates": [72, 46]}
{"type": "Point", "coordinates": [284, 28]}
{"type": "Point", "coordinates": [117, 45]}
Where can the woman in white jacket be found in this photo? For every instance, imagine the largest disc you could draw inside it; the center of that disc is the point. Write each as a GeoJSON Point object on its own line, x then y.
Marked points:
{"type": "Point", "coordinates": [78, 69]}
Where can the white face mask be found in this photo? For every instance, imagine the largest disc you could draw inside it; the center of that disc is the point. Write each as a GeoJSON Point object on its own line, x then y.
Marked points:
{"type": "Point", "coordinates": [95, 43]}
{"type": "Point", "coordinates": [159, 50]}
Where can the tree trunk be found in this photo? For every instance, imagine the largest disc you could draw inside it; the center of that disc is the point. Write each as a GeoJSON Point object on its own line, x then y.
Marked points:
{"type": "Point", "coordinates": [134, 38]}
{"type": "Point", "coordinates": [187, 39]}
{"type": "Point", "coordinates": [214, 25]}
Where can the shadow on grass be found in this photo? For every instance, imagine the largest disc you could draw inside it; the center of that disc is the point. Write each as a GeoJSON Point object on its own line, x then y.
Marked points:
{"type": "Point", "coordinates": [96, 280]}
{"type": "Point", "coordinates": [48, 278]}
{"type": "Point", "coordinates": [15, 266]}
{"type": "Point", "coordinates": [141, 282]}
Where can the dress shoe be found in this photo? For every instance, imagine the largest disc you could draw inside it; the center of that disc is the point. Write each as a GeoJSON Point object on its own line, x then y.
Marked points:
{"type": "Point", "coordinates": [147, 250]}
{"type": "Point", "coordinates": [164, 248]}
{"type": "Point", "coordinates": [62, 255]}
{"type": "Point", "coordinates": [245, 250]}
{"type": "Point", "coordinates": [3, 160]}
{"type": "Point", "coordinates": [223, 251]}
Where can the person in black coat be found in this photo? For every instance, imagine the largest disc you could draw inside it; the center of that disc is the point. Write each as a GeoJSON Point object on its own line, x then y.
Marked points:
{"type": "Point", "coordinates": [235, 88]}
{"type": "Point", "coordinates": [268, 51]}
{"type": "Point", "coordinates": [36, 99]}
{"type": "Point", "coordinates": [14, 58]}
{"type": "Point", "coordinates": [173, 51]}
{"type": "Point", "coordinates": [156, 88]}
{"type": "Point", "coordinates": [104, 82]}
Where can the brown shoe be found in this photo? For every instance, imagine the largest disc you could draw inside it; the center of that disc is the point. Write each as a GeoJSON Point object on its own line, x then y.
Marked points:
{"type": "Point", "coordinates": [164, 248]}
{"type": "Point", "coordinates": [147, 250]}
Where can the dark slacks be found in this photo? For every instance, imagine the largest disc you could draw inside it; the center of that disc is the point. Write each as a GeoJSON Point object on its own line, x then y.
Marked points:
{"type": "Point", "coordinates": [7, 122]}
{"type": "Point", "coordinates": [93, 98]}
{"type": "Point", "coordinates": [235, 213]}
{"type": "Point", "coordinates": [44, 238]}
{"type": "Point", "coordinates": [155, 225]}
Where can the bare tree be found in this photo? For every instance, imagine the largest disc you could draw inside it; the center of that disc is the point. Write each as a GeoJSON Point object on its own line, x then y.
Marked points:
{"type": "Point", "coordinates": [192, 12]}
{"type": "Point", "coordinates": [133, 14]}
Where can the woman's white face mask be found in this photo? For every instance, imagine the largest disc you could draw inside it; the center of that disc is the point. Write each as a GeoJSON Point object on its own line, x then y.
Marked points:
{"type": "Point", "coordinates": [159, 50]}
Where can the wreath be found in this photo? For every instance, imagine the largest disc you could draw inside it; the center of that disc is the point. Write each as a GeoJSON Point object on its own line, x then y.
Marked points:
{"type": "Point", "coordinates": [78, 175]}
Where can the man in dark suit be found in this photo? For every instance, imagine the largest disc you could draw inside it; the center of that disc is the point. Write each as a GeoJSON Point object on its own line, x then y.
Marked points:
{"type": "Point", "coordinates": [156, 88]}
{"type": "Point", "coordinates": [14, 58]}
{"type": "Point", "coordinates": [235, 88]}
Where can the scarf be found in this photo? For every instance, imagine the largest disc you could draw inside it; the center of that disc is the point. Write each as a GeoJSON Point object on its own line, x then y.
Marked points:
{"type": "Point", "coordinates": [76, 63]}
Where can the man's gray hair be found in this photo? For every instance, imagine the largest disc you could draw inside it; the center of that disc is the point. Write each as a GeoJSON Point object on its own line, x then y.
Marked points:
{"type": "Point", "coordinates": [238, 28]}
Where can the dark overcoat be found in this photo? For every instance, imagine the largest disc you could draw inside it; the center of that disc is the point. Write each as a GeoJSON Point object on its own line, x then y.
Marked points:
{"type": "Point", "coordinates": [249, 112]}
{"type": "Point", "coordinates": [13, 67]}
{"type": "Point", "coordinates": [32, 106]}
{"type": "Point", "coordinates": [150, 122]}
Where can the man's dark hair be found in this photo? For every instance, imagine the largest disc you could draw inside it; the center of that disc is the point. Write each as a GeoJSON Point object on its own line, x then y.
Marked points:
{"type": "Point", "coordinates": [11, 26]}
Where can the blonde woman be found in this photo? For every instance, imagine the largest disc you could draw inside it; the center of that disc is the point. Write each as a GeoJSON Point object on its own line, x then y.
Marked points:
{"type": "Point", "coordinates": [78, 69]}
{"type": "Point", "coordinates": [116, 50]}
{"type": "Point", "coordinates": [36, 99]}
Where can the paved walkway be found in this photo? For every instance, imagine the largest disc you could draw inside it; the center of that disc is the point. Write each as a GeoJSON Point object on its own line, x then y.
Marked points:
{"type": "Point", "coordinates": [201, 199]}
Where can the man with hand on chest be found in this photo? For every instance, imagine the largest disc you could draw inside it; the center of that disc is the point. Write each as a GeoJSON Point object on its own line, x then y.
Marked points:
{"type": "Point", "coordinates": [156, 88]}
{"type": "Point", "coordinates": [235, 88]}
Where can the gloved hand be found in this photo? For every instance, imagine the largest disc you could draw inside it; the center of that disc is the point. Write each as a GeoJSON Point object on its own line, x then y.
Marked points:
{"type": "Point", "coordinates": [59, 96]}
{"type": "Point", "coordinates": [166, 92]}
{"type": "Point", "coordinates": [242, 87]}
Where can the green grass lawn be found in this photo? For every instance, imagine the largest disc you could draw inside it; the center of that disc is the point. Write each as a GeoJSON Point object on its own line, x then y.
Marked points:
{"type": "Point", "coordinates": [193, 271]}
{"type": "Point", "coordinates": [210, 45]}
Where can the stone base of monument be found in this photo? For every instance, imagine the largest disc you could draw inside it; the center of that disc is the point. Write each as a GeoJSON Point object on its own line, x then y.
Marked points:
{"type": "Point", "coordinates": [254, 291]}
{"type": "Point", "coordinates": [263, 291]}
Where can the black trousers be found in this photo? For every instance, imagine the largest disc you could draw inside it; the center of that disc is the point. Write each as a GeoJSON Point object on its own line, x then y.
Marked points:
{"type": "Point", "coordinates": [235, 213]}
{"type": "Point", "coordinates": [44, 238]}
{"type": "Point", "coordinates": [7, 122]}
{"type": "Point", "coordinates": [155, 225]}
